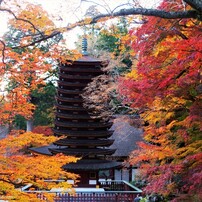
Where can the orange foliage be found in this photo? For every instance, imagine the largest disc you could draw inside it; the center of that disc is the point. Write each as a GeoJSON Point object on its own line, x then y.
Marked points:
{"type": "Point", "coordinates": [26, 67]}
{"type": "Point", "coordinates": [18, 169]}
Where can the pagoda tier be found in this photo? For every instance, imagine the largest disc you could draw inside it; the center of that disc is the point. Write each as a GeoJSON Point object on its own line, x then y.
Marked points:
{"type": "Point", "coordinates": [83, 152]}
{"type": "Point", "coordinates": [85, 136]}
{"type": "Point", "coordinates": [82, 142]}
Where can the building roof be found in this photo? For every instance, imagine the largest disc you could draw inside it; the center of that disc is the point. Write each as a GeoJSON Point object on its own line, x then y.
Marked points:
{"type": "Point", "coordinates": [92, 164]}
{"type": "Point", "coordinates": [125, 135]}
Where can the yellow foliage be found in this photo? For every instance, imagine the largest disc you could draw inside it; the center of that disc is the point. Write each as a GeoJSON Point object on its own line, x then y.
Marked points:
{"type": "Point", "coordinates": [133, 74]}
{"type": "Point", "coordinates": [34, 18]}
{"type": "Point", "coordinates": [19, 168]}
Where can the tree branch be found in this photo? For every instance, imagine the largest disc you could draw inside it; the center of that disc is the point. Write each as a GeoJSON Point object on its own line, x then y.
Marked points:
{"type": "Point", "coordinates": [45, 37]}
{"type": "Point", "coordinates": [149, 12]}
{"type": "Point", "coordinates": [3, 51]}
{"type": "Point", "coordinates": [21, 19]}
{"type": "Point", "coordinates": [196, 4]}
{"type": "Point", "coordinates": [123, 12]}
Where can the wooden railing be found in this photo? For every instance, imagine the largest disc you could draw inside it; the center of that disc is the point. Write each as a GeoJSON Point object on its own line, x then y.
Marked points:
{"type": "Point", "coordinates": [96, 197]}
{"type": "Point", "coordinates": [116, 186]}
{"type": "Point", "coordinates": [108, 191]}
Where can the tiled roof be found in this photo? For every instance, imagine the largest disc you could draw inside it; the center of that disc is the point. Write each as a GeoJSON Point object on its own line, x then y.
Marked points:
{"type": "Point", "coordinates": [125, 135]}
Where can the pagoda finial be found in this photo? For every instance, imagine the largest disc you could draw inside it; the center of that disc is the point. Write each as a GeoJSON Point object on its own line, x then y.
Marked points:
{"type": "Point", "coordinates": [84, 46]}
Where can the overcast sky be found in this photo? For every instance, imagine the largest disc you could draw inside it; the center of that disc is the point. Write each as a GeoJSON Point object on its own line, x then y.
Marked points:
{"type": "Point", "coordinates": [68, 11]}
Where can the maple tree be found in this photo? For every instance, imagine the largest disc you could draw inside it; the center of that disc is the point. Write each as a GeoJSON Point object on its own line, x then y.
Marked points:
{"type": "Point", "coordinates": [26, 68]}
{"type": "Point", "coordinates": [19, 167]}
{"type": "Point", "coordinates": [165, 87]}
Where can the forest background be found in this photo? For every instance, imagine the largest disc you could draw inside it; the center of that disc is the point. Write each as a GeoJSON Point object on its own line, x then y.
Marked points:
{"type": "Point", "coordinates": [154, 72]}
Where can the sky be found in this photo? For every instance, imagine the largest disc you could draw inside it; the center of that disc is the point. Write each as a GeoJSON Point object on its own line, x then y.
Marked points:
{"type": "Point", "coordinates": [64, 12]}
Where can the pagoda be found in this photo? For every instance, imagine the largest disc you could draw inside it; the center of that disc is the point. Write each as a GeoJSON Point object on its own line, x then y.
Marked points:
{"type": "Point", "coordinates": [83, 136]}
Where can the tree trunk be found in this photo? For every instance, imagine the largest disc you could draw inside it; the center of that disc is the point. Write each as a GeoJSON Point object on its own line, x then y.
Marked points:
{"type": "Point", "coordinates": [29, 125]}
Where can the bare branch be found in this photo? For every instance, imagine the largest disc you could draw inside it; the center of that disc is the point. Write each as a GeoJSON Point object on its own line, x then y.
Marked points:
{"type": "Point", "coordinates": [149, 12]}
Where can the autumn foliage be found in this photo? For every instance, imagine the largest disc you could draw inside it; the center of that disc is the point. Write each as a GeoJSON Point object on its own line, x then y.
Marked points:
{"type": "Point", "coordinates": [18, 167]}
{"type": "Point", "coordinates": [26, 66]}
{"type": "Point", "coordinates": [165, 86]}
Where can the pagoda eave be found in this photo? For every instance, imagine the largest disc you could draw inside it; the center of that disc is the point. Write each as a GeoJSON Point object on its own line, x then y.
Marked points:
{"type": "Point", "coordinates": [82, 151]}
{"type": "Point", "coordinates": [70, 100]}
{"type": "Point", "coordinates": [82, 70]}
{"type": "Point", "coordinates": [90, 133]}
{"type": "Point", "coordinates": [78, 77]}
{"type": "Point", "coordinates": [60, 90]}
{"type": "Point", "coordinates": [91, 165]}
{"type": "Point", "coordinates": [73, 116]}
{"type": "Point", "coordinates": [68, 124]}
{"type": "Point", "coordinates": [83, 142]}
{"type": "Point", "coordinates": [71, 84]}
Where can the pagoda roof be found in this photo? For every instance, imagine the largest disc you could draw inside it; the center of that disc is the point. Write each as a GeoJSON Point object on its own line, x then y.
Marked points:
{"type": "Point", "coordinates": [84, 142]}
{"type": "Point", "coordinates": [77, 77]}
{"type": "Point", "coordinates": [83, 164]}
{"type": "Point", "coordinates": [69, 91]}
{"type": "Point", "coordinates": [82, 151]}
{"type": "Point", "coordinates": [80, 69]}
{"type": "Point", "coordinates": [74, 84]}
{"type": "Point", "coordinates": [43, 150]}
{"type": "Point", "coordinates": [126, 135]}
{"type": "Point", "coordinates": [86, 59]}
{"type": "Point", "coordinates": [71, 100]}
{"type": "Point", "coordinates": [74, 116]}
{"type": "Point", "coordinates": [71, 108]}
{"type": "Point", "coordinates": [69, 124]}
{"type": "Point", "coordinates": [91, 164]}
{"type": "Point", "coordinates": [78, 133]}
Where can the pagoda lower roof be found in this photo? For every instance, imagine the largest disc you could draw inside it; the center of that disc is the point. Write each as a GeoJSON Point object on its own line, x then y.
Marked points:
{"type": "Point", "coordinates": [71, 100]}
{"type": "Point", "coordinates": [80, 69]}
{"type": "Point", "coordinates": [90, 125]}
{"type": "Point", "coordinates": [44, 150]}
{"type": "Point", "coordinates": [84, 142]}
{"type": "Point", "coordinates": [78, 77]}
{"type": "Point", "coordinates": [82, 151]}
{"type": "Point", "coordinates": [78, 133]}
{"type": "Point", "coordinates": [91, 165]}
{"type": "Point", "coordinates": [83, 164]}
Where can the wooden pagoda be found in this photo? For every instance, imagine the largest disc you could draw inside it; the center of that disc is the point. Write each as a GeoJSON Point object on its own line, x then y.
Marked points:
{"type": "Point", "coordinates": [85, 137]}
